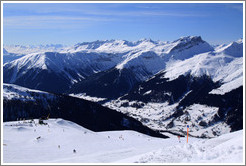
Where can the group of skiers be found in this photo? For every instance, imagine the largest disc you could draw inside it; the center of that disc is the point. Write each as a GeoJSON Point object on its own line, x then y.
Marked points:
{"type": "Point", "coordinates": [74, 151]}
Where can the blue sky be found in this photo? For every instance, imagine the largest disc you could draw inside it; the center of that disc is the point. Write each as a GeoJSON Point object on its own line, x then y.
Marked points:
{"type": "Point", "coordinates": [70, 23]}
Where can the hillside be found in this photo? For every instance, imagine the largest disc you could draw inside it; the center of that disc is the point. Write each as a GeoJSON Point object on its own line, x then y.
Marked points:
{"type": "Point", "coordinates": [57, 141]}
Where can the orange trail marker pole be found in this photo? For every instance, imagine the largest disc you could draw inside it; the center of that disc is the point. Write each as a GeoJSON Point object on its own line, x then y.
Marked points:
{"type": "Point", "coordinates": [187, 132]}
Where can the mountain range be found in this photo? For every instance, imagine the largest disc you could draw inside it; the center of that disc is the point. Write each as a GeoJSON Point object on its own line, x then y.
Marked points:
{"type": "Point", "coordinates": [143, 59]}
{"type": "Point", "coordinates": [165, 85]}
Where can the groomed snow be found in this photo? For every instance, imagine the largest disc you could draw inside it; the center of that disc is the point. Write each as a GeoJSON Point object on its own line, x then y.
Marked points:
{"type": "Point", "coordinates": [25, 142]}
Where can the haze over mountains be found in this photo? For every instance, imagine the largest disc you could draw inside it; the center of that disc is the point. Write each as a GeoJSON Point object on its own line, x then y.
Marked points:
{"type": "Point", "coordinates": [165, 85]}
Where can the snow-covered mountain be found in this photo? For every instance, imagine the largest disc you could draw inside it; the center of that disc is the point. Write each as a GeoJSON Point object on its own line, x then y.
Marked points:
{"type": "Point", "coordinates": [152, 59]}
{"type": "Point", "coordinates": [56, 142]}
{"type": "Point", "coordinates": [13, 52]}
{"type": "Point", "coordinates": [56, 72]}
{"type": "Point", "coordinates": [20, 102]}
{"type": "Point", "coordinates": [5, 51]}
{"type": "Point", "coordinates": [155, 82]}
{"type": "Point", "coordinates": [224, 65]}
{"type": "Point", "coordinates": [11, 57]}
{"type": "Point", "coordinates": [204, 91]}
{"type": "Point", "coordinates": [234, 49]}
{"type": "Point", "coordinates": [144, 58]}
{"type": "Point", "coordinates": [15, 92]}
{"type": "Point", "coordinates": [139, 65]}
{"type": "Point", "coordinates": [8, 57]}
{"type": "Point", "coordinates": [144, 45]}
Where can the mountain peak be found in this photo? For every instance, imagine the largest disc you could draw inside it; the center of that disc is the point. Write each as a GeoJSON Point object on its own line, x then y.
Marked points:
{"type": "Point", "coordinates": [233, 49]}
{"type": "Point", "coordinates": [5, 51]}
{"type": "Point", "coordinates": [239, 41]}
{"type": "Point", "coordinates": [185, 47]}
{"type": "Point", "coordinates": [189, 39]}
{"type": "Point", "coordinates": [146, 39]}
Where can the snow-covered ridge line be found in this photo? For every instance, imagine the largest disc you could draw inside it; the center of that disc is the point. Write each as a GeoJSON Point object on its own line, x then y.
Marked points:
{"type": "Point", "coordinates": [123, 46]}
{"type": "Point", "coordinates": [11, 91]}
{"type": "Point", "coordinates": [109, 46]}
{"type": "Point", "coordinates": [83, 60]}
{"type": "Point", "coordinates": [224, 65]}
{"type": "Point", "coordinates": [187, 55]}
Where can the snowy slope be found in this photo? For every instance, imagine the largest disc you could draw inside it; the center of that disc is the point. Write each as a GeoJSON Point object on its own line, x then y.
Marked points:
{"type": "Point", "coordinates": [7, 57]}
{"type": "Point", "coordinates": [60, 62]}
{"type": "Point", "coordinates": [47, 69]}
{"type": "Point", "coordinates": [55, 142]}
{"type": "Point", "coordinates": [234, 49]}
{"type": "Point", "coordinates": [224, 65]}
{"type": "Point", "coordinates": [10, 57]}
{"type": "Point", "coordinates": [224, 149]}
{"type": "Point", "coordinates": [154, 56]}
{"type": "Point", "coordinates": [15, 92]}
{"type": "Point", "coordinates": [5, 51]}
{"type": "Point", "coordinates": [90, 146]}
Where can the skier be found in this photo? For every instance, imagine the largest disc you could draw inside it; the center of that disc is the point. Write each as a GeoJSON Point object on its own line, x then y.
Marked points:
{"type": "Point", "coordinates": [179, 138]}
{"type": "Point", "coordinates": [74, 151]}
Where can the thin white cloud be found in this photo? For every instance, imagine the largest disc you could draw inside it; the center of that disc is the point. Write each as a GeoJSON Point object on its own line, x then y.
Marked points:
{"type": "Point", "coordinates": [238, 7]}
{"type": "Point", "coordinates": [142, 13]}
{"type": "Point", "coordinates": [29, 22]}
{"type": "Point", "coordinates": [53, 16]}
{"type": "Point", "coordinates": [109, 10]}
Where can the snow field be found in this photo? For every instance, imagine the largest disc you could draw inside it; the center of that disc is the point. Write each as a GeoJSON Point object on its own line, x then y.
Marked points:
{"type": "Point", "coordinates": [224, 149]}
{"type": "Point", "coordinates": [26, 142]}
{"type": "Point", "coordinates": [40, 143]}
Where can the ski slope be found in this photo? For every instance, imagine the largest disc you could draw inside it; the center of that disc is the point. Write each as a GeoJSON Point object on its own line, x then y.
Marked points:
{"type": "Point", "coordinates": [30, 142]}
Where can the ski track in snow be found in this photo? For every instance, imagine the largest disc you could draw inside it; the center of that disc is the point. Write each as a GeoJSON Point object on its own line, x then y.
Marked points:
{"type": "Point", "coordinates": [26, 142]}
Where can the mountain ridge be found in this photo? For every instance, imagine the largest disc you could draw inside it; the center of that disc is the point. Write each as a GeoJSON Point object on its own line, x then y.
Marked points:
{"type": "Point", "coordinates": [164, 85]}
{"type": "Point", "coordinates": [73, 67]}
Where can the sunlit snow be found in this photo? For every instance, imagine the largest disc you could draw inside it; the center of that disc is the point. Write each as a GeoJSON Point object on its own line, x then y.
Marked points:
{"type": "Point", "coordinates": [62, 141]}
